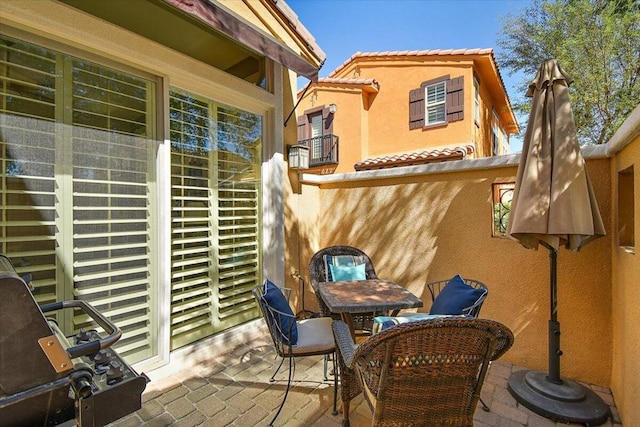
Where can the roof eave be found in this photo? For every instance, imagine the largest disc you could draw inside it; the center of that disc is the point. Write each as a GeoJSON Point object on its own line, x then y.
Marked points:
{"type": "Point", "coordinates": [225, 21]}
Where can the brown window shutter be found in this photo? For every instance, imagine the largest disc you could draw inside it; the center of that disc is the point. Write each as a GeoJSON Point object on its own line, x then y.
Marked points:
{"type": "Point", "coordinates": [327, 122]}
{"type": "Point", "coordinates": [303, 127]}
{"type": "Point", "coordinates": [416, 108]}
{"type": "Point", "coordinates": [455, 99]}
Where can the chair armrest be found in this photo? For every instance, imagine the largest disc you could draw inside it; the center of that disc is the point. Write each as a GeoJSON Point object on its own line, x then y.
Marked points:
{"type": "Point", "coordinates": [505, 340]}
{"type": "Point", "coordinates": [344, 342]}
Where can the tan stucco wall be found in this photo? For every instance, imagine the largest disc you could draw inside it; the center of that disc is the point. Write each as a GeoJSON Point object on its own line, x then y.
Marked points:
{"type": "Point", "coordinates": [383, 129]}
{"type": "Point", "coordinates": [430, 227]}
{"type": "Point", "coordinates": [255, 12]}
{"type": "Point", "coordinates": [625, 378]}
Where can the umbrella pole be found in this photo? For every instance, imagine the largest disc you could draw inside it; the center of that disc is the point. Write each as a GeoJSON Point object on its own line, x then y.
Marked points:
{"type": "Point", "coordinates": [554, 325]}
{"type": "Point", "coordinates": [548, 394]}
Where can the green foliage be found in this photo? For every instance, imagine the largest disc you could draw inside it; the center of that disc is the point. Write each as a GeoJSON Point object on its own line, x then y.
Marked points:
{"type": "Point", "coordinates": [597, 42]}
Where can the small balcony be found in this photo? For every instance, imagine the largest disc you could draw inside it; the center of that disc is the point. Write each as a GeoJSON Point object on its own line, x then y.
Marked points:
{"type": "Point", "coordinates": [323, 150]}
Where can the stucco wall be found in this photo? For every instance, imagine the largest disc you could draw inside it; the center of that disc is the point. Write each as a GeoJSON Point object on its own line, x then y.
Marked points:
{"type": "Point", "coordinates": [430, 227]}
{"type": "Point", "coordinates": [625, 379]}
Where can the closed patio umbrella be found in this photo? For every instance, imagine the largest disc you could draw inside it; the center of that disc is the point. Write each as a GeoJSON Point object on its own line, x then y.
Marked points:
{"type": "Point", "coordinates": [554, 205]}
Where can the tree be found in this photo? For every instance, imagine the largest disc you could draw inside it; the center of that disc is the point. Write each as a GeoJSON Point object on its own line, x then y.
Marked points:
{"type": "Point", "coordinates": [597, 42]}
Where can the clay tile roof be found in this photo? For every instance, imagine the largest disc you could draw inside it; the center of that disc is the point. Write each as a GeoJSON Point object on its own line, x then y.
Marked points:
{"type": "Point", "coordinates": [411, 159]}
{"type": "Point", "coordinates": [368, 85]}
{"type": "Point", "coordinates": [432, 52]}
{"type": "Point", "coordinates": [348, 81]}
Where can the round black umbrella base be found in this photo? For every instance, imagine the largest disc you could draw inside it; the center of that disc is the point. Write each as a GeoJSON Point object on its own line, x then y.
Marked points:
{"type": "Point", "coordinates": [568, 402]}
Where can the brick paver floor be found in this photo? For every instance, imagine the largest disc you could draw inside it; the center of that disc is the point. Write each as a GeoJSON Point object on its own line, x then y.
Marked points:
{"type": "Point", "coordinates": [234, 390]}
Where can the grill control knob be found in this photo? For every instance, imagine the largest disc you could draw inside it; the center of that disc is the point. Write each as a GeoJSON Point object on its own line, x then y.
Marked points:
{"type": "Point", "coordinates": [115, 372]}
{"type": "Point", "coordinates": [101, 357]}
{"type": "Point", "coordinates": [83, 336]}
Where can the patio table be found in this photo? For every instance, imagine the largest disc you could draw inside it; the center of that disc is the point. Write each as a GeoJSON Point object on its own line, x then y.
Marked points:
{"type": "Point", "coordinates": [365, 296]}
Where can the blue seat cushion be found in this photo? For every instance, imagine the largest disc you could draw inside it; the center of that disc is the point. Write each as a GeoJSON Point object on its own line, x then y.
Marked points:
{"type": "Point", "coordinates": [347, 272]}
{"type": "Point", "coordinates": [455, 297]}
{"type": "Point", "coordinates": [274, 297]}
{"type": "Point", "coordinates": [380, 323]}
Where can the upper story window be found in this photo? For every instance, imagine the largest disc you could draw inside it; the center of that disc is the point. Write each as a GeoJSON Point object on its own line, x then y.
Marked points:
{"type": "Point", "coordinates": [496, 136]}
{"type": "Point", "coordinates": [435, 107]}
{"type": "Point", "coordinates": [476, 101]}
{"type": "Point", "coordinates": [436, 102]}
{"type": "Point", "coordinates": [315, 124]}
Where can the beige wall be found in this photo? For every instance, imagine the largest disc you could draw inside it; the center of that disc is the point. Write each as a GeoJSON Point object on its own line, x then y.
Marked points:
{"type": "Point", "coordinates": [625, 378]}
{"type": "Point", "coordinates": [430, 227]}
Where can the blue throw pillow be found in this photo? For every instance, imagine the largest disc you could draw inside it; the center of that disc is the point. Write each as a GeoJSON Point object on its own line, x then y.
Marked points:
{"type": "Point", "coordinates": [343, 260]}
{"type": "Point", "coordinates": [276, 300]}
{"type": "Point", "coordinates": [346, 273]}
{"type": "Point", "coordinates": [455, 297]}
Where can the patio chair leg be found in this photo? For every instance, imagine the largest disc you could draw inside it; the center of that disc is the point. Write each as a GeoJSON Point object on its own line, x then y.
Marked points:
{"type": "Point", "coordinates": [326, 366]}
{"type": "Point", "coordinates": [273, 377]}
{"type": "Point", "coordinates": [335, 386]}
{"type": "Point", "coordinates": [286, 392]}
{"type": "Point", "coordinates": [485, 408]}
{"type": "Point", "coordinates": [345, 414]}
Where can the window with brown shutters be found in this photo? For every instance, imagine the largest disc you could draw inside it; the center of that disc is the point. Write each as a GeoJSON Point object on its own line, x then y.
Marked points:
{"type": "Point", "coordinates": [419, 101]}
{"type": "Point", "coordinates": [305, 125]}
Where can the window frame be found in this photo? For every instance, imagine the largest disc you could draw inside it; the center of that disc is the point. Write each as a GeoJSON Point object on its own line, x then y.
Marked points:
{"type": "Point", "coordinates": [496, 134]}
{"type": "Point", "coordinates": [626, 209]}
{"type": "Point", "coordinates": [204, 195]}
{"type": "Point", "coordinates": [476, 100]}
{"type": "Point", "coordinates": [436, 104]}
{"type": "Point", "coordinates": [501, 198]}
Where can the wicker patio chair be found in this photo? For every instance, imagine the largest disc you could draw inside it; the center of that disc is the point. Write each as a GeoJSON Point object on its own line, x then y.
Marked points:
{"type": "Point", "coordinates": [318, 273]}
{"type": "Point", "coordinates": [363, 322]}
{"type": "Point", "coordinates": [314, 337]}
{"type": "Point", "coordinates": [473, 310]}
{"type": "Point", "coordinates": [424, 373]}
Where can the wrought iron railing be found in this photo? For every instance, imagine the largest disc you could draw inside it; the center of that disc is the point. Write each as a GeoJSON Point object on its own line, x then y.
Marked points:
{"type": "Point", "coordinates": [323, 150]}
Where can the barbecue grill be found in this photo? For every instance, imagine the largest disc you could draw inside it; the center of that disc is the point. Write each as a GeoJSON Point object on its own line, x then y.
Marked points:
{"type": "Point", "coordinates": [48, 379]}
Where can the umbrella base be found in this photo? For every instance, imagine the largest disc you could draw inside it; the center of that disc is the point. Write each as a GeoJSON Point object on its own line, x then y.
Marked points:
{"type": "Point", "coordinates": [568, 402]}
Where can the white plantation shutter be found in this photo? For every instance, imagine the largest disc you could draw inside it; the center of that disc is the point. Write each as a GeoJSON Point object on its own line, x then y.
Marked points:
{"type": "Point", "coordinates": [238, 201]}
{"type": "Point", "coordinates": [78, 168]}
{"type": "Point", "coordinates": [215, 218]}
{"type": "Point", "coordinates": [111, 200]}
{"type": "Point", "coordinates": [192, 269]}
{"type": "Point", "coordinates": [28, 90]}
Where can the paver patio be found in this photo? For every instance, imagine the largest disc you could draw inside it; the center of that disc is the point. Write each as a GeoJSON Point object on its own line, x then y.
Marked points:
{"type": "Point", "coordinates": [234, 390]}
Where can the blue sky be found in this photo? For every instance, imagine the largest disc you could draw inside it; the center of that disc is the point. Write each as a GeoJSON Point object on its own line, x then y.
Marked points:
{"type": "Point", "coordinates": [344, 27]}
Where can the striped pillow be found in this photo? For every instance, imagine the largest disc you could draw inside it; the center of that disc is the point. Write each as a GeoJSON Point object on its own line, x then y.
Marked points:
{"type": "Point", "coordinates": [380, 323]}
